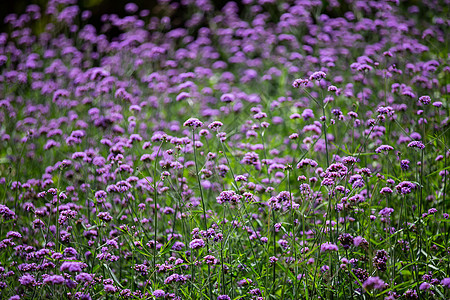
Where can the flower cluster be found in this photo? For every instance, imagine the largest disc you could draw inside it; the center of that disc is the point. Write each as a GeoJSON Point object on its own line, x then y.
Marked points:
{"type": "Point", "coordinates": [330, 159]}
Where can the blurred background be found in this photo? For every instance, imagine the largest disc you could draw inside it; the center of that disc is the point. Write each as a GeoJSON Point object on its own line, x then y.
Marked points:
{"type": "Point", "coordinates": [98, 8]}
{"type": "Point", "coordinates": [177, 16]}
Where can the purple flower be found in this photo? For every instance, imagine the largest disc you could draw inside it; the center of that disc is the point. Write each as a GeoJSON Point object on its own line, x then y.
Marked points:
{"type": "Point", "coordinates": [71, 266]}
{"type": "Point", "coordinates": [307, 114]}
{"type": "Point", "coordinates": [424, 286]}
{"type": "Point", "coordinates": [51, 143]}
{"type": "Point", "coordinates": [411, 294]}
{"type": "Point", "coordinates": [54, 279]}
{"type": "Point", "coordinates": [384, 148]}
{"type": "Point", "coordinates": [131, 7]}
{"type": "Point", "coordinates": [84, 277]}
{"type": "Point", "coordinates": [223, 297]}
{"type": "Point", "coordinates": [346, 240]}
{"type": "Point", "coordinates": [100, 194]}
{"type": "Point", "coordinates": [324, 268]}
{"type": "Point", "coordinates": [386, 190]}
{"type": "Point", "coordinates": [109, 288]}
{"type": "Point", "coordinates": [432, 211]}
{"type": "Point", "coordinates": [425, 100]}
{"type": "Point", "coordinates": [404, 164]}
{"type": "Point", "coordinates": [328, 247]}
{"type": "Point", "coordinates": [178, 246]}
{"type": "Point", "coordinates": [416, 144]}
{"type": "Point", "coordinates": [273, 259]}
{"type": "Point", "coordinates": [159, 293]}
{"type": "Point", "coordinates": [215, 126]}
{"type": "Point", "coordinates": [373, 283]}
{"type": "Point", "coordinates": [405, 187]}
{"type": "Point", "coordinates": [306, 162]}
{"type": "Point", "coordinates": [193, 122]}
{"type": "Point", "coordinates": [70, 252]}
{"type": "Point", "coordinates": [13, 234]}
{"type": "Point", "coordinates": [380, 260]}
{"type": "Point", "coordinates": [446, 282]}
{"type": "Point", "coordinates": [389, 111]}
{"type": "Point", "coordinates": [300, 82]}
{"type": "Point", "coordinates": [386, 212]}
{"type": "Point", "coordinates": [245, 282]}
{"type": "Point", "coordinates": [27, 279]}
{"type": "Point", "coordinates": [105, 216]}
{"type": "Point", "coordinates": [196, 244]}
{"type": "Point", "coordinates": [317, 76]}
{"type": "Point", "coordinates": [182, 96]}
{"type": "Point", "coordinates": [228, 197]}
{"type": "Point", "coordinates": [227, 98]}
{"type": "Point", "coordinates": [252, 158]}
{"type": "Point", "coordinates": [360, 242]}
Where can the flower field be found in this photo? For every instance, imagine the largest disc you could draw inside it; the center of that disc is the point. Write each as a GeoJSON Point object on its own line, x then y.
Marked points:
{"type": "Point", "coordinates": [260, 150]}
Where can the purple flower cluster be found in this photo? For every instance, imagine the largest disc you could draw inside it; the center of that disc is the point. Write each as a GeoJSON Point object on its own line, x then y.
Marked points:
{"type": "Point", "coordinates": [118, 180]}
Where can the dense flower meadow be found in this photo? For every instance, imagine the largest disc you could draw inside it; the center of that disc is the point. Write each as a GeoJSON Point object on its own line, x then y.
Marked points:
{"type": "Point", "coordinates": [264, 150]}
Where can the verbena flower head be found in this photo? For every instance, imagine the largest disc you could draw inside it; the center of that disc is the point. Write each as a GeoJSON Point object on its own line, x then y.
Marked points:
{"type": "Point", "coordinates": [317, 76]}
{"type": "Point", "coordinates": [328, 247]}
{"type": "Point", "coordinates": [384, 148]}
{"type": "Point", "coordinates": [300, 82]}
{"type": "Point", "coordinates": [215, 126]}
{"type": "Point", "coordinates": [424, 286]}
{"type": "Point", "coordinates": [228, 197]}
{"type": "Point", "coordinates": [425, 100]}
{"type": "Point", "coordinates": [380, 260]}
{"type": "Point", "coordinates": [416, 144]}
{"type": "Point", "coordinates": [405, 187]}
{"type": "Point", "coordinates": [197, 243]}
{"type": "Point", "coordinates": [193, 123]}
{"type": "Point", "coordinates": [446, 282]}
{"type": "Point", "coordinates": [27, 280]}
{"type": "Point", "coordinates": [159, 293]}
{"type": "Point", "coordinates": [54, 279]}
{"type": "Point", "coordinates": [386, 190]}
{"type": "Point", "coordinates": [374, 283]}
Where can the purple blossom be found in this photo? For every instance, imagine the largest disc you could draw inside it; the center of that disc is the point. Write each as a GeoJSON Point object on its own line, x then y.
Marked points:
{"type": "Point", "coordinates": [404, 164]}
{"type": "Point", "coordinates": [300, 82]}
{"type": "Point", "coordinates": [27, 280]}
{"type": "Point", "coordinates": [446, 282]}
{"type": "Point", "coordinates": [424, 286]}
{"type": "Point", "coordinates": [159, 293]}
{"type": "Point", "coordinates": [307, 114]}
{"type": "Point", "coordinates": [373, 283]}
{"type": "Point", "coordinates": [380, 260]}
{"type": "Point", "coordinates": [328, 247]}
{"type": "Point", "coordinates": [54, 279]}
{"type": "Point", "coordinates": [360, 242]}
{"type": "Point", "coordinates": [215, 126]}
{"type": "Point", "coordinates": [405, 187]}
{"type": "Point", "coordinates": [386, 190]}
{"type": "Point", "coordinates": [416, 144]}
{"type": "Point", "coordinates": [346, 240]}
{"type": "Point", "coordinates": [72, 266]}
{"type": "Point", "coordinates": [425, 100]}
{"type": "Point", "coordinates": [193, 122]}
{"type": "Point", "coordinates": [317, 76]}
{"type": "Point", "coordinates": [84, 277]}
{"type": "Point", "coordinates": [384, 148]}
{"type": "Point", "coordinates": [197, 243]}
{"type": "Point", "coordinates": [227, 98]}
